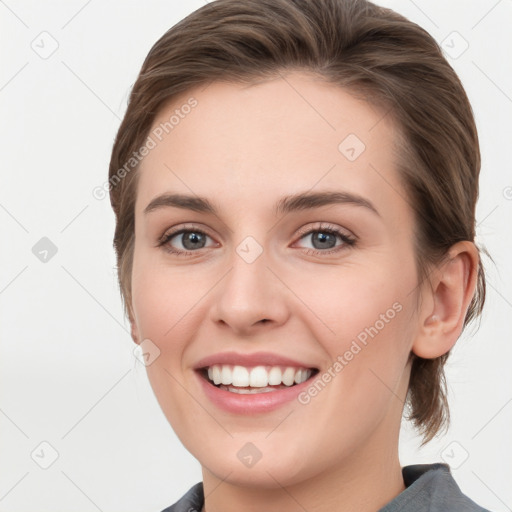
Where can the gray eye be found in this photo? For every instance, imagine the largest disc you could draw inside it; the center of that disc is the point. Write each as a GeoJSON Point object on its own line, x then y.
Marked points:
{"type": "Point", "coordinates": [323, 240]}
{"type": "Point", "coordinates": [193, 240]}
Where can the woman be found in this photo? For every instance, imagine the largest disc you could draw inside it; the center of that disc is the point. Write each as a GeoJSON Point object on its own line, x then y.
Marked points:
{"type": "Point", "coordinates": [294, 184]}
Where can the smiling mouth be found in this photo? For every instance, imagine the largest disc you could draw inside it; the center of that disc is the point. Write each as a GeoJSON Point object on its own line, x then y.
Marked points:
{"type": "Point", "coordinates": [256, 379]}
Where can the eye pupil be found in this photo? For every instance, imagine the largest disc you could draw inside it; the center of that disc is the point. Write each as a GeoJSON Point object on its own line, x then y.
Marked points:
{"type": "Point", "coordinates": [193, 240]}
{"type": "Point", "coordinates": [324, 239]}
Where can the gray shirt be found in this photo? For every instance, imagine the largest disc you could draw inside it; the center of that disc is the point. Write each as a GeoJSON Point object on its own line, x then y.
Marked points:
{"type": "Point", "coordinates": [429, 488]}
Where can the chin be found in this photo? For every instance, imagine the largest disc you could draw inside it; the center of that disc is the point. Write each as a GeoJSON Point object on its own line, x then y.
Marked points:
{"type": "Point", "coordinates": [260, 464]}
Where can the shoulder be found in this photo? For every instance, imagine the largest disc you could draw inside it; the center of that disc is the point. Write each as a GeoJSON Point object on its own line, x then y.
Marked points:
{"type": "Point", "coordinates": [431, 488]}
{"type": "Point", "coordinates": [191, 501]}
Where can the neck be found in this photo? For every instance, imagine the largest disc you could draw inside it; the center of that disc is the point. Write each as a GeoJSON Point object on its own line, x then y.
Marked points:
{"type": "Point", "coordinates": [366, 482]}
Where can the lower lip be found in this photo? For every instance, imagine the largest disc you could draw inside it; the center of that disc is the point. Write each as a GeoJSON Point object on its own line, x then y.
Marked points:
{"type": "Point", "coordinates": [251, 403]}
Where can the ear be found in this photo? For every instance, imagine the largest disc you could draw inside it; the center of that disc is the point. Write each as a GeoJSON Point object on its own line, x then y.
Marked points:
{"type": "Point", "coordinates": [446, 301]}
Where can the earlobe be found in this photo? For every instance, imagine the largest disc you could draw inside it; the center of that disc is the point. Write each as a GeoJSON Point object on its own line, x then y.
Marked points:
{"type": "Point", "coordinates": [452, 288]}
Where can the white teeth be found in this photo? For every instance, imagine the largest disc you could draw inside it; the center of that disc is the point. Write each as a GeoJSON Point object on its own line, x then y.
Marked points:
{"type": "Point", "coordinates": [258, 376]}
{"type": "Point", "coordinates": [248, 391]}
{"type": "Point", "coordinates": [301, 376]}
{"type": "Point", "coordinates": [289, 376]}
{"type": "Point", "coordinates": [274, 376]}
{"type": "Point", "coordinates": [240, 376]}
{"type": "Point", "coordinates": [225, 375]}
{"type": "Point", "coordinates": [216, 375]}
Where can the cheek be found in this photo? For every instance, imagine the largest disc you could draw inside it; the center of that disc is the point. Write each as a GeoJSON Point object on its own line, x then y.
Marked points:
{"type": "Point", "coordinates": [365, 324]}
{"type": "Point", "coordinates": [161, 316]}
{"type": "Point", "coordinates": [165, 299]}
{"type": "Point", "coordinates": [358, 301]}
{"type": "Point", "coordinates": [168, 304]}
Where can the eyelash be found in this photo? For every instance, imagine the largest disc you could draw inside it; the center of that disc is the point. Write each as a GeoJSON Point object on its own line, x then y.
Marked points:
{"type": "Point", "coordinates": [348, 241]}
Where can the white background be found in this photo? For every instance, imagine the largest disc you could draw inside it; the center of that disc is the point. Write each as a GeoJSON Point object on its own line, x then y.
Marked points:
{"type": "Point", "coordinates": [67, 372]}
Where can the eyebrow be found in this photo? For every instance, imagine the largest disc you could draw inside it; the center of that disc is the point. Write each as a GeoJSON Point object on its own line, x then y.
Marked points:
{"type": "Point", "coordinates": [287, 204]}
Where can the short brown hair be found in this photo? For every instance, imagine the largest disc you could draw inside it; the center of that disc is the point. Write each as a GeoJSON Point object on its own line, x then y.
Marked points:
{"type": "Point", "coordinates": [368, 50]}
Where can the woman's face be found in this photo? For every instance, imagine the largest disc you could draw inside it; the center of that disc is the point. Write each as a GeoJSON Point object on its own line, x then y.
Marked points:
{"type": "Point", "coordinates": [274, 242]}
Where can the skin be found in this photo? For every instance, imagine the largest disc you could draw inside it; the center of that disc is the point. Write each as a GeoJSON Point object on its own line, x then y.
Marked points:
{"type": "Point", "coordinates": [244, 148]}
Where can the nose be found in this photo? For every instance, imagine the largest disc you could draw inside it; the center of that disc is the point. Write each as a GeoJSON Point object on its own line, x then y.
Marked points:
{"type": "Point", "coordinates": [249, 297]}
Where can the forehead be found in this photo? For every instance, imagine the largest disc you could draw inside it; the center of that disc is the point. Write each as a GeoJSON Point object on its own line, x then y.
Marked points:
{"type": "Point", "coordinates": [282, 136]}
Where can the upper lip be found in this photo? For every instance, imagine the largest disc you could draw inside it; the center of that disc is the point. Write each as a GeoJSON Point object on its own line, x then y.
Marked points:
{"type": "Point", "coordinates": [249, 360]}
